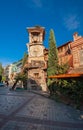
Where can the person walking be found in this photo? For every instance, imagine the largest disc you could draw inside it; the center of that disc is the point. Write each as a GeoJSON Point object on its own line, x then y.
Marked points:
{"type": "Point", "coordinates": [7, 84]}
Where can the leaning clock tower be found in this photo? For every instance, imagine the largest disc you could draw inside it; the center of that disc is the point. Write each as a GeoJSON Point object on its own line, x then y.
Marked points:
{"type": "Point", "coordinates": [36, 61]}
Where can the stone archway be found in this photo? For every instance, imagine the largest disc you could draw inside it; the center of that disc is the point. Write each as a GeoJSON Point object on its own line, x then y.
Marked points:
{"type": "Point", "coordinates": [32, 84]}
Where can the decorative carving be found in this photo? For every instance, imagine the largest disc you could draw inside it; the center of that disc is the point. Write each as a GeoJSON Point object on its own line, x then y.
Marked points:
{"type": "Point", "coordinates": [38, 64]}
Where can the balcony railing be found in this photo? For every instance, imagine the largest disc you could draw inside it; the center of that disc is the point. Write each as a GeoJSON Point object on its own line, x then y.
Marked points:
{"type": "Point", "coordinates": [67, 75]}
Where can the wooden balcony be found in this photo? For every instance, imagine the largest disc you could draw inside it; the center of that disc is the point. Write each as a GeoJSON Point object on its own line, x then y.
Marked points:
{"type": "Point", "coordinates": [60, 76]}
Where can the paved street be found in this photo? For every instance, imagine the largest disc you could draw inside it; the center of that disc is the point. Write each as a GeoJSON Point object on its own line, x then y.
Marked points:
{"type": "Point", "coordinates": [24, 110]}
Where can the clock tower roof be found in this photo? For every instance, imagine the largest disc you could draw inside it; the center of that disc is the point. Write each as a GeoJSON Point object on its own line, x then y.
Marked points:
{"type": "Point", "coordinates": [36, 29]}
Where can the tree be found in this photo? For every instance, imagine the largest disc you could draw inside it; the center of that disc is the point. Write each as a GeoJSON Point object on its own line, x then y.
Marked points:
{"type": "Point", "coordinates": [24, 59]}
{"type": "Point", "coordinates": [1, 71]}
{"type": "Point", "coordinates": [0, 78]}
{"type": "Point", "coordinates": [63, 68]}
{"type": "Point", "coordinates": [52, 55]}
{"type": "Point", "coordinates": [22, 77]}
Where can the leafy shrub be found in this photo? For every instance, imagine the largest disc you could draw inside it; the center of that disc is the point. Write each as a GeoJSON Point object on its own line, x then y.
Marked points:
{"type": "Point", "coordinates": [70, 87]}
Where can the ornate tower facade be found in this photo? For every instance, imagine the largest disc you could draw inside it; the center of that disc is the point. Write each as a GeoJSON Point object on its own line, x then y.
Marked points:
{"type": "Point", "coordinates": [36, 59]}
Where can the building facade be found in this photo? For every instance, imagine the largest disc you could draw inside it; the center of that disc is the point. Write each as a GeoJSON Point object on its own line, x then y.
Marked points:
{"type": "Point", "coordinates": [72, 52]}
{"type": "Point", "coordinates": [36, 63]}
{"type": "Point", "coordinates": [77, 50]}
{"type": "Point", "coordinates": [11, 70]}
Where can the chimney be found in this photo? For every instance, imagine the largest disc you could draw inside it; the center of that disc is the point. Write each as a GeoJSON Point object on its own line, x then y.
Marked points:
{"type": "Point", "coordinates": [75, 36]}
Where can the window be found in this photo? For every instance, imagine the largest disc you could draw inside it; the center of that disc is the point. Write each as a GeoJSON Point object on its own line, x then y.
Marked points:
{"type": "Point", "coordinates": [36, 75]}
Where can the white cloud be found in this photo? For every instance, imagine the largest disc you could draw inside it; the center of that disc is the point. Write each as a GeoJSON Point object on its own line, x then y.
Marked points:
{"type": "Point", "coordinates": [33, 3]}
{"type": "Point", "coordinates": [37, 3]}
{"type": "Point", "coordinates": [71, 22]}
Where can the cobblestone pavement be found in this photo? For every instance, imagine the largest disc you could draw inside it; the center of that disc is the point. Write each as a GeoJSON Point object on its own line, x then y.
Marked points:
{"type": "Point", "coordinates": [24, 110]}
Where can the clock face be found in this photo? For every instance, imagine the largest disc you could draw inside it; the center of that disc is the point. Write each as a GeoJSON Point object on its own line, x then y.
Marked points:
{"type": "Point", "coordinates": [36, 50]}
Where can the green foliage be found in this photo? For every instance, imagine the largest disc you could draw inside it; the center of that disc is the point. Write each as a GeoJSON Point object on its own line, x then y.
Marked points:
{"type": "Point", "coordinates": [21, 76]}
{"type": "Point", "coordinates": [3, 78]}
{"type": "Point", "coordinates": [1, 69]}
{"type": "Point", "coordinates": [52, 55]}
{"type": "Point", "coordinates": [1, 72]}
{"type": "Point", "coordinates": [71, 88]}
{"type": "Point", "coordinates": [53, 65]}
{"type": "Point", "coordinates": [24, 59]}
{"type": "Point", "coordinates": [52, 86]}
{"type": "Point", "coordinates": [49, 82]}
{"type": "Point", "coordinates": [62, 69]}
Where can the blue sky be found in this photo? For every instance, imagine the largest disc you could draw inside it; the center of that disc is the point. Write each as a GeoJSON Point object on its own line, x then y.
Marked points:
{"type": "Point", "coordinates": [63, 16]}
